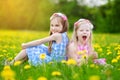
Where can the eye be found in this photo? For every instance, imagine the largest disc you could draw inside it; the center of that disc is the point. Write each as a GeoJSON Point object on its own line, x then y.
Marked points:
{"type": "Point", "coordinates": [87, 30]}
{"type": "Point", "coordinates": [81, 30]}
{"type": "Point", "coordinates": [57, 25]}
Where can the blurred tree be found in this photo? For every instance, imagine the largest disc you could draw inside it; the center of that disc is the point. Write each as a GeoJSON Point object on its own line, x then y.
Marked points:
{"type": "Point", "coordinates": [25, 14]}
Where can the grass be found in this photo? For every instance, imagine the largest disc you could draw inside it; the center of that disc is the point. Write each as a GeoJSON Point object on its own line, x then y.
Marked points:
{"type": "Point", "coordinates": [106, 45]}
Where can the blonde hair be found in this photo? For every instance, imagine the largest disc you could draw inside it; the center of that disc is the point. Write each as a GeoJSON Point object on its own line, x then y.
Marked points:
{"type": "Point", "coordinates": [63, 20]}
{"type": "Point", "coordinates": [76, 26]}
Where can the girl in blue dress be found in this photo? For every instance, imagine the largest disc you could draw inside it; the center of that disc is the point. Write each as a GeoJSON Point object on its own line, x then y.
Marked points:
{"type": "Point", "coordinates": [58, 41]}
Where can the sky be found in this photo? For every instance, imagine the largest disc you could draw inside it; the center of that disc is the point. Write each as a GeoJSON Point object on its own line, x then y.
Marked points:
{"type": "Point", "coordinates": [92, 3]}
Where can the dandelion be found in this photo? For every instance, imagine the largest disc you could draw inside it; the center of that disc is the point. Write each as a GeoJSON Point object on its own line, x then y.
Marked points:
{"type": "Point", "coordinates": [50, 62]}
{"type": "Point", "coordinates": [7, 73]}
{"type": "Point", "coordinates": [63, 61]}
{"type": "Point", "coordinates": [81, 52]}
{"type": "Point", "coordinates": [42, 78]}
{"type": "Point", "coordinates": [118, 57]}
{"type": "Point", "coordinates": [27, 67]}
{"type": "Point", "coordinates": [17, 63]}
{"type": "Point", "coordinates": [92, 65]}
{"type": "Point", "coordinates": [71, 62]}
{"type": "Point", "coordinates": [94, 77]}
{"type": "Point", "coordinates": [114, 61]}
{"type": "Point", "coordinates": [109, 52]}
{"type": "Point", "coordinates": [56, 73]}
{"type": "Point", "coordinates": [42, 56]}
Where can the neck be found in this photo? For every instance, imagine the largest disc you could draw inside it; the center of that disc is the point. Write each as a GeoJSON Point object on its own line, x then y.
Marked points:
{"type": "Point", "coordinates": [82, 43]}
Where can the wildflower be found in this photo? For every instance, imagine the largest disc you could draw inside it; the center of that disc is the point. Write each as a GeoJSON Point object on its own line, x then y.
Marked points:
{"type": "Point", "coordinates": [56, 73]}
{"type": "Point", "coordinates": [17, 63]}
{"type": "Point", "coordinates": [71, 62]}
{"type": "Point", "coordinates": [27, 67]}
{"type": "Point", "coordinates": [63, 61]}
{"type": "Point", "coordinates": [109, 52]}
{"type": "Point", "coordinates": [42, 56]}
{"type": "Point", "coordinates": [114, 61]}
{"type": "Point", "coordinates": [100, 50]}
{"type": "Point", "coordinates": [81, 52]}
{"type": "Point", "coordinates": [42, 78]}
{"type": "Point", "coordinates": [7, 73]}
{"type": "Point", "coordinates": [84, 56]}
{"type": "Point", "coordinates": [51, 62]}
{"type": "Point", "coordinates": [1, 55]}
{"type": "Point", "coordinates": [92, 65]}
{"type": "Point", "coordinates": [94, 77]}
{"type": "Point", "coordinates": [118, 57]}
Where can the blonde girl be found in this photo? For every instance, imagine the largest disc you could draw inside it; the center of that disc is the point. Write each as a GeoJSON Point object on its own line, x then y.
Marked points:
{"type": "Point", "coordinates": [80, 47]}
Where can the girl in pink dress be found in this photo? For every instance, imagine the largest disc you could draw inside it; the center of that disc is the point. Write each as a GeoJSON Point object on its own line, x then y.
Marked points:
{"type": "Point", "coordinates": [80, 47]}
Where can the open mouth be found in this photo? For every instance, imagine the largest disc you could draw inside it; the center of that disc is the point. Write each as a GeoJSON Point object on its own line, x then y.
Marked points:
{"type": "Point", "coordinates": [84, 37]}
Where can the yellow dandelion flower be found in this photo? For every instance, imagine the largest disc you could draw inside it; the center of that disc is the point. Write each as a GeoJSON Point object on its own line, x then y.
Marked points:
{"type": "Point", "coordinates": [63, 61]}
{"type": "Point", "coordinates": [42, 78]}
{"type": "Point", "coordinates": [27, 67]}
{"type": "Point", "coordinates": [92, 65]}
{"type": "Point", "coordinates": [56, 73]}
{"type": "Point", "coordinates": [1, 55]}
{"type": "Point", "coordinates": [81, 52]}
{"type": "Point", "coordinates": [84, 56]}
{"type": "Point", "coordinates": [7, 73]}
{"type": "Point", "coordinates": [118, 57]}
{"type": "Point", "coordinates": [100, 50]}
{"type": "Point", "coordinates": [42, 56]}
{"type": "Point", "coordinates": [71, 62]}
{"type": "Point", "coordinates": [4, 51]}
{"type": "Point", "coordinates": [109, 52]}
{"type": "Point", "coordinates": [94, 77]}
{"type": "Point", "coordinates": [114, 61]}
{"type": "Point", "coordinates": [6, 67]}
{"type": "Point", "coordinates": [50, 63]}
{"type": "Point", "coordinates": [118, 52]}
{"type": "Point", "coordinates": [17, 63]}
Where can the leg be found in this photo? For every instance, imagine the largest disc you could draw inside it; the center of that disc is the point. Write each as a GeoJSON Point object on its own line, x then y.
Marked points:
{"type": "Point", "coordinates": [21, 56]}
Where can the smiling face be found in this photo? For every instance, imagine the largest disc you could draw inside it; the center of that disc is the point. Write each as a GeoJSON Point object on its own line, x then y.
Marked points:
{"type": "Point", "coordinates": [83, 33]}
{"type": "Point", "coordinates": [55, 25]}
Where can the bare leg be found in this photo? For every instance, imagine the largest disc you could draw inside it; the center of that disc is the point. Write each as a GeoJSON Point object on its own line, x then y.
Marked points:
{"type": "Point", "coordinates": [21, 56]}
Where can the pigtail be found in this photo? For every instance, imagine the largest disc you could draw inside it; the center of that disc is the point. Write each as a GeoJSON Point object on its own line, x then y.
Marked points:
{"type": "Point", "coordinates": [50, 44]}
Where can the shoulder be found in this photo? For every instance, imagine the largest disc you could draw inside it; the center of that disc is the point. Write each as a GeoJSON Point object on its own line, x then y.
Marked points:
{"type": "Point", "coordinates": [56, 35]}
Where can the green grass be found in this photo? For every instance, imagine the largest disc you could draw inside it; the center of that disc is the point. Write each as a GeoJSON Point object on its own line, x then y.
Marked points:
{"type": "Point", "coordinates": [106, 45]}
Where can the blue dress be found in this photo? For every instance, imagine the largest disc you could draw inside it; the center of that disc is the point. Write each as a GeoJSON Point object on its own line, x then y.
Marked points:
{"type": "Point", "coordinates": [57, 54]}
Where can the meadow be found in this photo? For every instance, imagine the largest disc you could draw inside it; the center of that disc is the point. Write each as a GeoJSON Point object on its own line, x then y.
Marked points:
{"type": "Point", "coordinates": [106, 45]}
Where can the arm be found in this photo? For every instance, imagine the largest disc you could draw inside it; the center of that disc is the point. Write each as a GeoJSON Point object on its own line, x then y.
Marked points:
{"type": "Point", "coordinates": [71, 53]}
{"type": "Point", "coordinates": [40, 41]}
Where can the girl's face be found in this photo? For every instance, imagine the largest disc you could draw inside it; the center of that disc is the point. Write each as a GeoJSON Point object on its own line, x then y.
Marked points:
{"type": "Point", "coordinates": [83, 33]}
{"type": "Point", "coordinates": [55, 25]}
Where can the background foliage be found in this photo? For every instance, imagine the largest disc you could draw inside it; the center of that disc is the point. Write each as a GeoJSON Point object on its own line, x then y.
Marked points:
{"type": "Point", "coordinates": [35, 14]}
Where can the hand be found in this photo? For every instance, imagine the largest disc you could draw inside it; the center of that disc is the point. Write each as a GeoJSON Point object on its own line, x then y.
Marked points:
{"type": "Point", "coordinates": [23, 46]}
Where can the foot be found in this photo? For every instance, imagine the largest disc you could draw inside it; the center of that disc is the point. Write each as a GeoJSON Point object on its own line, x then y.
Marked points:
{"type": "Point", "coordinates": [9, 62]}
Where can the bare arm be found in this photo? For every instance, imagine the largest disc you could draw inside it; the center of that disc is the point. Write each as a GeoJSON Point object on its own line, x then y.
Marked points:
{"type": "Point", "coordinates": [71, 52]}
{"type": "Point", "coordinates": [40, 41]}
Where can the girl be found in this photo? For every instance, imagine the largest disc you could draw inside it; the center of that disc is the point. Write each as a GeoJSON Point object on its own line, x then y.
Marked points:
{"type": "Point", "coordinates": [58, 40]}
{"type": "Point", "coordinates": [80, 47]}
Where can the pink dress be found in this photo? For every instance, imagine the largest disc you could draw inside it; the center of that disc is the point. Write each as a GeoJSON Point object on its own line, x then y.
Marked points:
{"type": "Point", "coordinates": [85, 48]}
